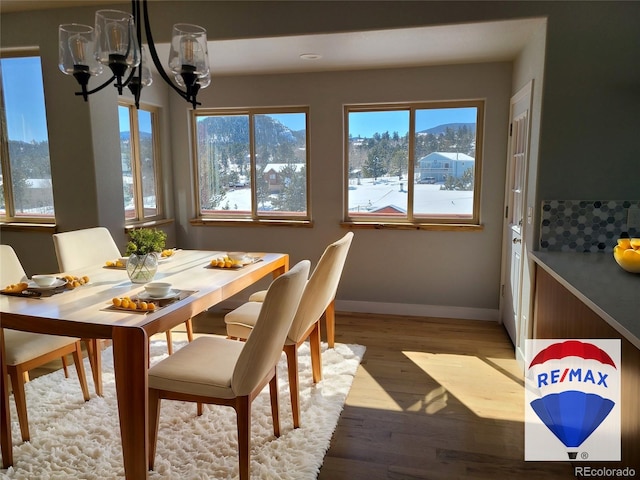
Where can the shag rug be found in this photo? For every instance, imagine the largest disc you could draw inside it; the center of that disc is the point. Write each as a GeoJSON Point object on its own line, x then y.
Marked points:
{"type": "Point", "coordinates": [72, 439]}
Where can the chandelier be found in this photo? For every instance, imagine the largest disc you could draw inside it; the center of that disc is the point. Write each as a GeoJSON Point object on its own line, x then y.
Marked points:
{"type": "Point", "coordinates": [116, 42]}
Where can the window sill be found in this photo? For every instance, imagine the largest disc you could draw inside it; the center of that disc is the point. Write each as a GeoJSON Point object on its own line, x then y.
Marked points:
{"type": "Point", "coordinates": [28, 227]}
{"type": "Point", "coordinates": [148, 224]}
{"type": "Point", "coordinates": [414, 226]}
{"type": "Point", "coordinates": [247, 222]}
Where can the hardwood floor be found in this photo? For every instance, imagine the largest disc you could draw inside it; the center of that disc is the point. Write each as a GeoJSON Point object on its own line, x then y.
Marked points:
{"type": "Point", "coordinates": [433, 399]}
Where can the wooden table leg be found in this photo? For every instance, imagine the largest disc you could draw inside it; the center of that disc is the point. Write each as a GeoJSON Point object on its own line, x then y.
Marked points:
{"type": "Point", "coordinates": [5, 423]}
{"type": "Point", "coordinates": [130, 361]}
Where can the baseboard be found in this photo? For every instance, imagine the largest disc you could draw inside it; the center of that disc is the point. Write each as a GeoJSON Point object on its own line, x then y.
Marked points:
{"type": "Point", "coordinates": [413, 310]}
{"type": "Point", "coordinates": [409, 310]}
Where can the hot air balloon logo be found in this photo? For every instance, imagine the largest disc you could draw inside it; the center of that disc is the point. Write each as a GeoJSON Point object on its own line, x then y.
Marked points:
{"type": "Point", "coordinates": [572, 400]}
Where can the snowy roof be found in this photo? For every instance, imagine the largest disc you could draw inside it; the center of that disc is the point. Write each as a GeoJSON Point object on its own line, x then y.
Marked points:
{"type": "Point", "coordinates": [278, 167]}
{"type": "Point", "coordinates": [449, 156]}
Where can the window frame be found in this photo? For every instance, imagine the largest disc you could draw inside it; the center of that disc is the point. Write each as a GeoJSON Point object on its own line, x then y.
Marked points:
{"type": "Point", "coordinates": [136, 165]}
{"type": "Point", "coordinates": [255, 217]}
{"type": "Point", "coordinates": [411, 220]}
{"type": "Point", "coordinates": [10, 217]}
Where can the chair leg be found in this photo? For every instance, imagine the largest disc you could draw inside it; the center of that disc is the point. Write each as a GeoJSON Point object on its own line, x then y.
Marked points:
{"type": "Point", "coordinates": [243, 412]}
{"type": "Point", "coordinates": [316, 358]}
{"type": "Point", "coordinates": [17, 383]}
{"type": "Point", "coordinates": [154, 420]}
{"type": "Point", "coordinates": [330, 321]}
{"type": "Point", "coordinates": [169, 342]}
{"type": "Point", "coordinates": [294, 389]}
{"type": "Point", "coordinates": [77, 359]}
{"type": "Point", "coordinates": [64, 366]}
{"type": "Point", "coordinates": [189, 325]}
{"type": "Point", "coordinates": [275, 409]}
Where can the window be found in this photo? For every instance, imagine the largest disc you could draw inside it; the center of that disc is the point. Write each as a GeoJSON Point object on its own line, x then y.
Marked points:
{"type": "Point", "coordinates": [252, 164]}
{"type": "Point", "coordinates": [25, 181]}
{"type": "Point", "coordinates": [416, 164]}
{"type": "Point", "coordinates": [140, 163]}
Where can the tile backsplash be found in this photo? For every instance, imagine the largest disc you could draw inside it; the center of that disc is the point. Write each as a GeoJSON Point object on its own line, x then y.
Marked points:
{"type": "Point", "coordinates": [584, 225]}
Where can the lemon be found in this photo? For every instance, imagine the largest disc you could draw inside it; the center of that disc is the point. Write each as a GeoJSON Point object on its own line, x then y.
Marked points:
{"type": "Point", "coordinates": [635, 243]}
{"type": "Point", "coordinates": [624, 243]}
{"type": "Point", "coordinates": [116, 301]}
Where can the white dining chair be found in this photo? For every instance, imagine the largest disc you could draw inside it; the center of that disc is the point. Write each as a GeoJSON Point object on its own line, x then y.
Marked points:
{"type": "Point", "coordinates": [216, 370]}
{"type": "Point", "coordinates": [317, 300]}
{"type": "Point", "coordinates": [25, 351]}
{"type": "Point", "coordinates": [77, 249]}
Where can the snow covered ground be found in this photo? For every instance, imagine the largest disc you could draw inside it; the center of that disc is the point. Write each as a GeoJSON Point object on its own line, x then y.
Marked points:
{"type": "Point", "coordinates": [370, 196]}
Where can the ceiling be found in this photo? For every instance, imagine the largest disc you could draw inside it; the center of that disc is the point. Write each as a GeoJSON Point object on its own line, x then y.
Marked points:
{"type": "Point", "coordinates": [391, 48]}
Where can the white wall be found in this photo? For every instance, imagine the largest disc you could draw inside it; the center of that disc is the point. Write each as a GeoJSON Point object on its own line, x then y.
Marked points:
{"type": "Point", "coordinates": [417, 268]}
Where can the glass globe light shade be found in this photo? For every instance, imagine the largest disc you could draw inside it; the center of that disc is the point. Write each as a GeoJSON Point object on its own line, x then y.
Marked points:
{"type": "Point", "coordinates": [116, 40]}
{"type": "Point", "coordinates": [76, 45]}
{"type": "Point", "coordinates": [189, 53]}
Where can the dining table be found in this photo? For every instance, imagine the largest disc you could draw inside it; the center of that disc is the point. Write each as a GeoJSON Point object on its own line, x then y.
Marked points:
{"type": "Point", "coordinates": [87, 311]}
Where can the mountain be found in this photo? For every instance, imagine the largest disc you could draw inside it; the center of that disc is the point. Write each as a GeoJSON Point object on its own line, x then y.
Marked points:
{"type": "Point", "coordinates": [234, 129]}
{"type": "Point", "coordinates": [124, 136]}
{"type": "Point", "coordinates": [453, 126]}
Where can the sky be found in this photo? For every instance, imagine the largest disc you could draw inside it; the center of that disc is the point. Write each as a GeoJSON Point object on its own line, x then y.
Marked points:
{"type": "Point", "coordinates": [24, 99]}
{"type": "Point", "coordinates": [365, 124]}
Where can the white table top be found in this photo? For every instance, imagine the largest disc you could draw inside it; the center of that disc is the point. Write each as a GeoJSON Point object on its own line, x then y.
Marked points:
{"type": "Point", "coordinates": [88, 304]}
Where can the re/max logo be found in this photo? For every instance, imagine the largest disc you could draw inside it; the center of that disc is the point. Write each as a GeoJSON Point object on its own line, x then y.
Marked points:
{"type": "Point", "coordinates": [572, 375]}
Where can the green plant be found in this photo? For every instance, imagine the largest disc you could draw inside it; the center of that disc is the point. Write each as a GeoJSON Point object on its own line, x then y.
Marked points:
{"type": "Point", "coordinates": [145, 240]}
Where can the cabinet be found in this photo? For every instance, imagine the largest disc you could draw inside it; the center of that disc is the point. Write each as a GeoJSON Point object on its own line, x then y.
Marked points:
{"type": "Point", "coordinates": [558, 313]}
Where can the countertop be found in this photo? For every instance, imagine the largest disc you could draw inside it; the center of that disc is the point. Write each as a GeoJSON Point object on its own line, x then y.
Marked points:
{"type": "Point", "coordinates": [599, 282]}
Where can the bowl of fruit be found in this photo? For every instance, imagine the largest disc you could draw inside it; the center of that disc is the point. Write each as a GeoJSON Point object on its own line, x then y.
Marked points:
{"type": "Point", "coordinates": [627, 254]}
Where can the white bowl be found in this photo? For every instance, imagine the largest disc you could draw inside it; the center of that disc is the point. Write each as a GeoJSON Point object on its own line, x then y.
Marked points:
{"type": "Point", "coordinates": [123, 260]}
{"type": "Point", "coordinates": [237, 256]}
{"type": "Point", "coordinates": [44, 280]}
{"type": "Point", "coordinates": [158, 289]}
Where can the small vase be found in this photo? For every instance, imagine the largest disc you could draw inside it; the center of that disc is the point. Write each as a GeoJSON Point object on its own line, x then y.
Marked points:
{"type": "Point", "coordinates": [142, 268]}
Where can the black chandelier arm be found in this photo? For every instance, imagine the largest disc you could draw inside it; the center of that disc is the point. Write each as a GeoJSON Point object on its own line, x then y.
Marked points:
{"type": "Point", "coordinates": [154, 54]}
{"type": "Point", "coordinates": [97, 89]}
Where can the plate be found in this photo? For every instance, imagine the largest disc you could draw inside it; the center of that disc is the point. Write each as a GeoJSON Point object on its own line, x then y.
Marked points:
{"type": "Point", "coordinates": [115, 267]}
{"type": "Point", "coordinates": [162, 259]}
{"type": "Point", "coordinates": [146, 296]}
{"type": "Point", "coordinates": [57, 284]}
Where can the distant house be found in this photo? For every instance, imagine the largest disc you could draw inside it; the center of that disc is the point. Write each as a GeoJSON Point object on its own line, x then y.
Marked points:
{"type": "Point", "coordinates": [440, 165]}
{"type": "Point", "coordinates": [272, 173]}
{"type": "Point", "coordinates": [393, 209]}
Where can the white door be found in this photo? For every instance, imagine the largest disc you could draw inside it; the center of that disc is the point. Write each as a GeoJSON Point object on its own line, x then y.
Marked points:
{"type": "Point", "coordinates": [514, 225]}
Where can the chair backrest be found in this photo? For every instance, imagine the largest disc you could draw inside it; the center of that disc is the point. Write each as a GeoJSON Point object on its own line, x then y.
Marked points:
{"type": "Point", "coordinates": [82, 248]}
{"type": "Point", "coordinates": [321, 288]}
{"type": "Point", "coordinates": [263, 348]}
{"type": "Point", "coordinates": [11, 270]}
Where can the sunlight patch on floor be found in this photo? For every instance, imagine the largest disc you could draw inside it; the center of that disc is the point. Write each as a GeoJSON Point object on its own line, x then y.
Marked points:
{"type": "Point", "coordinates": [464, 379]}
{"type": "Point", "coordinates": [370, 394]}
